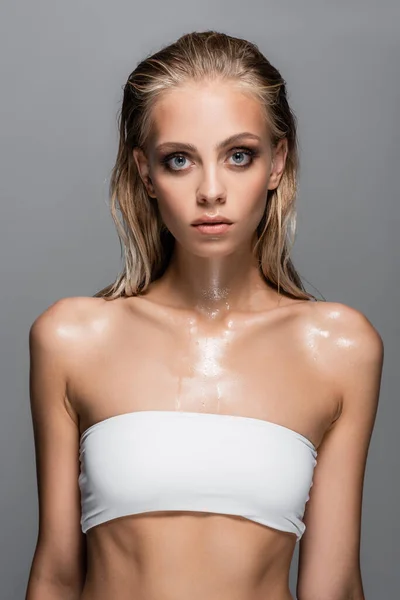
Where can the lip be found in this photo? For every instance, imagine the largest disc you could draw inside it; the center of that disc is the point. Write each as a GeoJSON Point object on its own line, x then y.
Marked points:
{"type": "Point", "coordinates": [213, 228]}
{"type": "Point", "coordinates": [206, 219]}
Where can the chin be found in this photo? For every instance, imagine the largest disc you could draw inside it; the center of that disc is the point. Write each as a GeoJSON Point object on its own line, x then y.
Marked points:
{"type": "Point", "coordinates": [215, 248]}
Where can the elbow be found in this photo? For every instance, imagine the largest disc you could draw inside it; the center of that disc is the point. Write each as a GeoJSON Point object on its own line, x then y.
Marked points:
{"type": "Point", "coordinates": [51, 579]}
{"type": "Point", "coordinates": [351, 596]}
{"type": "Point", "coordinates": [353, 593]}
{"type": "Point", "coordinates": [44, 588]}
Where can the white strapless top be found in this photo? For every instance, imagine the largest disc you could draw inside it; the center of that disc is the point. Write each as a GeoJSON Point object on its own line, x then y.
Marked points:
{"type": "Point", "coordinates": [156, 460]}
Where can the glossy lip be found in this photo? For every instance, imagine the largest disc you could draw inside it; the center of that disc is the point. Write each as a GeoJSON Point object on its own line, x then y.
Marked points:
{"type": "Point", "coordinates": [206, 219]}
{"type": "Point", "coordinates": [213, 228]}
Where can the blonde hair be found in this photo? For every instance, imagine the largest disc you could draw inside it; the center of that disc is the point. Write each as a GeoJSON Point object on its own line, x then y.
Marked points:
{"type": "Point", "coordinates": [146, 243]}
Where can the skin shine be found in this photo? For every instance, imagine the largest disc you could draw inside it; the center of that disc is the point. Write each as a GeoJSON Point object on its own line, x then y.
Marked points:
{"type": "Point", "coordinates": [209, 336]}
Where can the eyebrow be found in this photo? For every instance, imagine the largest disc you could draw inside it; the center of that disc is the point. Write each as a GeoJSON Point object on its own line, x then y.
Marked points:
{"type": "Point", "coordinates": [191, 148]}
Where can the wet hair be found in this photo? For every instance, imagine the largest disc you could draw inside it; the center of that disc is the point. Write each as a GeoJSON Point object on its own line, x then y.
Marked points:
{"type": "Point", "coordinates": [146, 243]}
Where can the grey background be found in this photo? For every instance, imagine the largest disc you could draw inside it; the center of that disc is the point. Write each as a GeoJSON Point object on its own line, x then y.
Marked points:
{"type": "Point", "coordinates": [63, 65]}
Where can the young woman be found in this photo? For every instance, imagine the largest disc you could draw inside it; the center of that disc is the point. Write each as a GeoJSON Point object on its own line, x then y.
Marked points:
{"type": "Point", "coordinates": [179, 415]}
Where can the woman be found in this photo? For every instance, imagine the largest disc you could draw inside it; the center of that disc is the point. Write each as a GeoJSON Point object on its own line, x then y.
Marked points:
{"type": "Point", "coordinates": [178, 414]}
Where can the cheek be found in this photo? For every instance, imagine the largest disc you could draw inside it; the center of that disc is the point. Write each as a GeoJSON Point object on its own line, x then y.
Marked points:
{"type": "Point", "coordinates": [251, 216]}
{"type": "Point", "coordinates": [174, 209]}
{"type": "Point", "coordinates": [252, 198]}
{"type": "Point", "coordinates": [177, 202]}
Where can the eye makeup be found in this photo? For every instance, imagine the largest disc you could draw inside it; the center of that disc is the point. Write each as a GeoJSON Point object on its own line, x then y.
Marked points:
{"type": "Point", "coordinates": [252, 153]}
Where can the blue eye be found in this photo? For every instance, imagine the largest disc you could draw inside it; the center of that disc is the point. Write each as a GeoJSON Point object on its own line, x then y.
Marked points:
{"type": "Point", "coordinates": [181, 158]}
{"type": "Point", "coordinates": [177, 157]}
{"type": "Point", "coordinates": [244, 152]}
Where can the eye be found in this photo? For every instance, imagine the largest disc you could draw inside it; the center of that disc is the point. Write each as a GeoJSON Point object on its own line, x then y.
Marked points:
{"type": "Point", "coordinates": [179, 158]}
{"type": "Point", "coordinates": [241, 152]}
{"type": "Point", "coordinates": [177, 161]}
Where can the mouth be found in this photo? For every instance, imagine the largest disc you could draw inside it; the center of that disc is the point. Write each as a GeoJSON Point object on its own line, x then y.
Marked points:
{"type": "Point", "coordinates": [213, 228]}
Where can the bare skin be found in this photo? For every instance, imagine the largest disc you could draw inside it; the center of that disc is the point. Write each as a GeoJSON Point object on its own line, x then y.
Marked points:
{"type": "Point", "coordinates": [209, 336]}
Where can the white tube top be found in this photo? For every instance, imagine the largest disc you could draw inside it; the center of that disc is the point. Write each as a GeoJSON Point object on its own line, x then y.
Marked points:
{"type": "Point", "coordinates": [155, 460]}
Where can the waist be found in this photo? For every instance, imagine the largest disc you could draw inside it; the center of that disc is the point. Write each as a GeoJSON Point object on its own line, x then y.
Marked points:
{"type": "Point", "coordinates": [162, 555]}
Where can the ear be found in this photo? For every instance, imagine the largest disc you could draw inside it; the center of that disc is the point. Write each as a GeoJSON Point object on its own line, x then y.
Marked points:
{"type": "Point", "coordinates": [143, 168]}
{"type": "Point", "coordinates": [278, 164]}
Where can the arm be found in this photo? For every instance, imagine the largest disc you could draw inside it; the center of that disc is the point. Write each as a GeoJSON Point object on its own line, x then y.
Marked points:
{"type": "Point", "coordinates": [329, 557]}
{"type": "Point", "coordinates": [58, 566]}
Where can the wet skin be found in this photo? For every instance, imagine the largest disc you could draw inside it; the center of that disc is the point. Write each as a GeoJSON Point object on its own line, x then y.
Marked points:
{"type": "Point", "coordinates": [209, 336]}
{"type": "Point", "coordinates": [267, 364]}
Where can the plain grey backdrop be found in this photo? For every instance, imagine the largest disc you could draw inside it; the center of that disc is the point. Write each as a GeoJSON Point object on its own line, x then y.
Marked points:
{"type": "Point", "coordinates": [63, 65]}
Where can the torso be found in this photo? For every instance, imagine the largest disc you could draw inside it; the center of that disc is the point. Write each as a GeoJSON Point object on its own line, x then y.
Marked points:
{"type": "Point", "coordinates": [132, 354]}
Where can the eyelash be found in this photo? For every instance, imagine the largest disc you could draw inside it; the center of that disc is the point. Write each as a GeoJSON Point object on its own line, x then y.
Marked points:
{"type": "Point", "coordinates": [243, 150]}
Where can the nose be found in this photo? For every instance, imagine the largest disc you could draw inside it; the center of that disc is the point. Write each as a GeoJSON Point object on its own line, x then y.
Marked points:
{"type": "Point", "coordinates": [211, 189]}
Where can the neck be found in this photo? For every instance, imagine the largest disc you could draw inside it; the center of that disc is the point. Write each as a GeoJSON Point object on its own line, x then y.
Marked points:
{"type": "Point", "coordinates": [215, 286]}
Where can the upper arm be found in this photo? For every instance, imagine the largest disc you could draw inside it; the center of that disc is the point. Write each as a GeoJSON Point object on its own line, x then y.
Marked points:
{"type": "Point", "coordinates": [59, 553]}
{"type": "Point", "coordinates": [329, 556]}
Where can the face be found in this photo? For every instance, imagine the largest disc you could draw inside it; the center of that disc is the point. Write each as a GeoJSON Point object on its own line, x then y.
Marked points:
{"type": "Point", "coordinates": [210, 154]}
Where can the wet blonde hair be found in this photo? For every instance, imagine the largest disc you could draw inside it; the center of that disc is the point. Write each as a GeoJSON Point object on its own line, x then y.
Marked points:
{"type": "Point", "coordinates": [146, 244]}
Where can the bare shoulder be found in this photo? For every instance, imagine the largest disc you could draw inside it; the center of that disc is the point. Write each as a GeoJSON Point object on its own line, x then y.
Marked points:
{"type": "Point", "coordinates": [353, 344]}
{"type": "Point", "coordinates": [63, 334]}
{"type": "Point", "coordinates": [55, 321]}
{"type": "Point", "coordinates": [340, 337]}
{"type": "Point", "coordinates": [68, 321]}
{"type": "Point", "coordinates": [346, 318]}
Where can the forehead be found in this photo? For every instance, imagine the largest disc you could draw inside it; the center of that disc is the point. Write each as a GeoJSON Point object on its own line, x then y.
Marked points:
{"type": "Point", "coordinates": [206, 112]}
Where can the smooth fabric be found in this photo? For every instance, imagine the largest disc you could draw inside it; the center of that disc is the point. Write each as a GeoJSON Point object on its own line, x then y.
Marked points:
{"type": "Point", "coordinates": [173, 460]}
